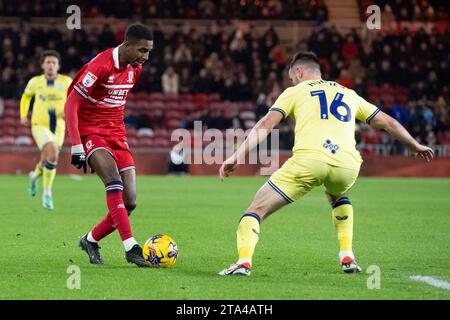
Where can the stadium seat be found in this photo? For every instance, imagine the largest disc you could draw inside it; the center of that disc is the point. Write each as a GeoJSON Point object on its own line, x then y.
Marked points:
{"type": "Point", "coordinates": [200, 97]}
{"type": "Point", "coordinates": [24, 141]}
{"type": "Point", "coordinates": [171, 105]}
{"type": "Point", "coordinates": [217, 106]}
{"type": "Point", "coordinates": [9, 112]}
{"type": "Point", "coordinates": [187, 106]}
{"type": "Point", "coordinates": [214, 97]}
{"type": "Point", "coordinates": [186, 97]}
{"type": "Point", "coordinates": [145, 142]}
{"type": "Point", "coordinates": [162, 133]}
{"type": "Point", "coordinates": [173, 114]}
{"type": "Point", "coordinates": [132, 141]}
{"type": "Point", "coordinates": [248, 115]}
{"type": "Point", "coordinates": [173, 124]}
{"type": "Point", "coordinates": [156, 96]}
{"type": "Point", "coordinates": [171, 97]}
{"type": "Point", "coordinates": [7, 140]}
{"type": "Point", "coordinates": [154, 105]}
{"type": "Point", "coordinates": [145, 132]}
{"type": "Point", "coordinates": [161, 143]}
{"type": "Point", "coordinates": [131, 132]}
{"type": "Point", "coordinates": [11, 104]}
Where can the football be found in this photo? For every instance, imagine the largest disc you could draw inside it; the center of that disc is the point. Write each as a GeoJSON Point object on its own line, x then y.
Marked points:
{"type": "Point", "coordinates": [160, 251]}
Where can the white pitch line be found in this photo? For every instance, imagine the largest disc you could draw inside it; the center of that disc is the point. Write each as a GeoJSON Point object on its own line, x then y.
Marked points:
{"type": "Point", "coordinates": [432, 281]}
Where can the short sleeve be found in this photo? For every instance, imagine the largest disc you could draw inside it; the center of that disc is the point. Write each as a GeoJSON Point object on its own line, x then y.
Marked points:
{"type": "Point", "coordinates": [365, 110]}
{"type": "Point", "coordinates": [89, 78]}
{"type": "Point", "coordinates": [285, 102]}
{"type": "Point", "coordinates": [30, 89]}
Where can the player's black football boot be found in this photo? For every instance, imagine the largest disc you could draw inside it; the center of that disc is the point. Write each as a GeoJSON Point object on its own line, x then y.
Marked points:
{"type": "Point", "coordinates": [135, 256]}
{"type": "Point", "coordinates": [91, 249]}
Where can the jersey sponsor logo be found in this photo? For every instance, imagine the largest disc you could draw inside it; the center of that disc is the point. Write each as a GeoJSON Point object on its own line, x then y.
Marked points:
{"type": "Point", "coordinates": [118, 92]}
{"type": "Point", "coordinates": [89, 79]}
{"type": "Point", "coordinates": [341, 218]}
{"type": "Point", "coordinates": [330, 146]}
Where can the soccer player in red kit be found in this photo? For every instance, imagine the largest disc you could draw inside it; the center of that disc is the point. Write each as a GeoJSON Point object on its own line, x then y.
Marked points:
{"type": "Point", "coordinates": [94, 115]}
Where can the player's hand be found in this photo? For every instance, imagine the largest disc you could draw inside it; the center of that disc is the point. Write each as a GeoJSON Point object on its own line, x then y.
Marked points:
{"type": "Point", "coordinates": [24, 122]}
{"type": "Point", "coordinates": [79, 157]}
{"type": "Point", "coordinates": [422, 151]}
{"type": "Point", "coordinates": [227, 167]}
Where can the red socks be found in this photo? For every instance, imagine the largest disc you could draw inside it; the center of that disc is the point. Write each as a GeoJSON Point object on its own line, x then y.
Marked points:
{"type": "Point", "coordinates": [117, 216]}
{"type": "Point", "coordinates": [104, 228]}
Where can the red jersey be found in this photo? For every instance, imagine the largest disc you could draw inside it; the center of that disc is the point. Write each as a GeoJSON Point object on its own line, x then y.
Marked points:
{"type": "Point", "coordinates": [105, 86]}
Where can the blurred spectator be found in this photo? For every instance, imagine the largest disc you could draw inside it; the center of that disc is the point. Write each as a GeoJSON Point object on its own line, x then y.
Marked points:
{"type": "Point", "coordinates": [144, 121]}
{"type": "Point", "coordinates": [407, 73]}
{"type": "Point", "coordinates": [178, 160]}
{"type": "Point", "coordinates": [130, 119]}
{"type": "Point", "coordinates": [170, 81]}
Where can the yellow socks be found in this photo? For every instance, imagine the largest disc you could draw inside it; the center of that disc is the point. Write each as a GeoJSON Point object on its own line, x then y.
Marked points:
{"type": "Point", "coordinates": [49, 172]}
{"type": "Point", "coordinates": [343, 222]}
{"type": "Point", "coordinates": [37, 170]}
{"type": "Point", "coordinates": [247, 236]}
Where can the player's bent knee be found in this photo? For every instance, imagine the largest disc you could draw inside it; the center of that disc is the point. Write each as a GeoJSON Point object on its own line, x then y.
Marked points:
{"type": "Point", "coordinates": [52, 158]}
{"type": "Point", "coordinates": [112, 176]}
{"type": "Point", "coordinates": [130, 207]}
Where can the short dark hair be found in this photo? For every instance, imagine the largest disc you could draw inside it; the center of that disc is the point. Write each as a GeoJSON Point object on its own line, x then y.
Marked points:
{"type": "Point", "coordinates": [49, 53]}
{"type": "Point", "coordinates": [138, 31]}
{"type": "Point", "coordinates": [305, 57]}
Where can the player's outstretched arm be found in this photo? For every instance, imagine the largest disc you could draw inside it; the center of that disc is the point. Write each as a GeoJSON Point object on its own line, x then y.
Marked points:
{"type": "Point", "coordinates": [258, 133]}
{"type": "Point", "coordinates": [24, 107]}
{"type": "Point", "coordinates": [71, 114]}
{"type": "Point", "coordinates": [396, 130]}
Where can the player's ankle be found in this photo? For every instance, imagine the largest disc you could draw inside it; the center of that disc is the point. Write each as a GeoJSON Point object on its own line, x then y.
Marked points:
{"type": "Point", "coordinates": [129, 243]}
{"type": "Point", "coordinates": [244, 261]}
{"type": "Point", "coordinates": [343, 254]}
{"type": "Point", "coordinates": [47, 192]}
{"type": "Point", "coordinates": [90, 237]}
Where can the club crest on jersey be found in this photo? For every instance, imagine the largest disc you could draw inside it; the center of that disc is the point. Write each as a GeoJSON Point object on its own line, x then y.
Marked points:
{"type": "Point", "coordinates": [130, 76]}
{"type": "Point", "coordinates": [89, 79]}
{"type": "Point", "coordinates": [89, 144]}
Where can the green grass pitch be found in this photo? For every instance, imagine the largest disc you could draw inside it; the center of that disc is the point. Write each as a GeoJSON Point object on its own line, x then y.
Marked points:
{"type": "Point", "coordinates": [401, 225]}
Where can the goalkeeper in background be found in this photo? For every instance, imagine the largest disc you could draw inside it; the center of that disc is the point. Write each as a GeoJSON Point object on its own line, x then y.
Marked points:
{"type": "Point", "coordinates": [47, 121]}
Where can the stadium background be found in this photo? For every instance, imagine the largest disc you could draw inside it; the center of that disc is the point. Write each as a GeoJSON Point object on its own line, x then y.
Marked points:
{"type": "Point", "coordinates": [402, 225]}
{"type": "Point", "coordinates": [223, 62]}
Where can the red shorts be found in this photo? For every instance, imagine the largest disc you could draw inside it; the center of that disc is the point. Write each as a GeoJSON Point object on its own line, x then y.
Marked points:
{"type": "Point", "coordinates": [118, 148]}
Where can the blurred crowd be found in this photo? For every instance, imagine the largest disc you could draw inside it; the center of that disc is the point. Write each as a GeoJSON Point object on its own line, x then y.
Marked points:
{"type": "Point", "coordinates": [410, 10]}
{"type": "Point", "coordinates": [407, 74]}
{"type": "Point", "coordinates": [185, 60]}
{"type": "Point", "coordinates": [173, 9]}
